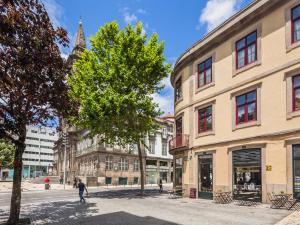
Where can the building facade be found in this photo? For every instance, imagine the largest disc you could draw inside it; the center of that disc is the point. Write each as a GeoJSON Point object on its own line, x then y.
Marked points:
{"type": "Point", "coordinates": [98, 163]}
{"type": "Point", "coordinates": [237, 105]}
{"type": "Point", "coordinates": [38, 155]}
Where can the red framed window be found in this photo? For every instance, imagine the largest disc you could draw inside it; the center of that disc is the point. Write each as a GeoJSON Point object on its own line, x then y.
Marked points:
{"type": "Point", "coordinates": [295, 24]}
{"type": "Point", "coordinates": [205, 119]}
{"type": "Point", "coordinates": [246, 50]}
{"type": "Point", "coordinates": [205, 73]}
{"type": "Point", "coordinates": [296, 93]}
{"type": "Point", "coordinates": [178, 91]}
{"type": "Point", "coordinates": [246, 107]}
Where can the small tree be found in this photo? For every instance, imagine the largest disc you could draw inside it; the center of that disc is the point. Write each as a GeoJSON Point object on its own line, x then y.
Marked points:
{"type": "Point", "coordinates": [7, 151]}
{"type": "Point", "coordinates": [32, 85]}
{"type": "Point", "coordinates": [113, 83]}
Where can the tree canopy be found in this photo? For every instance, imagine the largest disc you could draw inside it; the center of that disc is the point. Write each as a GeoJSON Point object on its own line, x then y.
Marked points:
{"type": "Point", "coordinates": [7, 151]}
{"type": "Point", "coordinates": [113, 83]}
{"type": "Point", "coordinates": [33, 87]}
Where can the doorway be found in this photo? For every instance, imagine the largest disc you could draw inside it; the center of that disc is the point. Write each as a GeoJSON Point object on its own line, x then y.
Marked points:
{"type": "Point", "coordinates": [247, 175]}
{"type": "Point", "coordinates": [205, 184]}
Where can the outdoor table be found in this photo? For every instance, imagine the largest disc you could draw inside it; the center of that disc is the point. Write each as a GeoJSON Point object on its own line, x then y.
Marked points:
{"type": "Point", "coordinates": [223, 197]}
{"type": "Point", "coordinates": [282, 199]}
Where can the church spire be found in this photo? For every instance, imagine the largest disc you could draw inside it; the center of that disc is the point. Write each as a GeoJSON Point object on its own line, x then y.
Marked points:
{"type": "Point", "coordinates": [80, 39]}
{"type": "Point", "coordinates": [79, 47]}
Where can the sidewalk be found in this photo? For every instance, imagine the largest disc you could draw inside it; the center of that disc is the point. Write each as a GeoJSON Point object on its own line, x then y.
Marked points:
{"type": "Point", "coordinates": [28, 186]}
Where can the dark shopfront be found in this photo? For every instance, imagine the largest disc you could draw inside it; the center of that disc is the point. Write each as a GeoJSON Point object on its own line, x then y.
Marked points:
{"type": "Point", "coordinates": [247, 175]}
{"type": "Point", "coordinates": [205, 173]}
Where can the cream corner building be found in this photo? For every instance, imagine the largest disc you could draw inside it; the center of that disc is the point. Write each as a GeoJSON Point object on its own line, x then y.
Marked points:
{"type": "Point", "coordinates": [237, 105]}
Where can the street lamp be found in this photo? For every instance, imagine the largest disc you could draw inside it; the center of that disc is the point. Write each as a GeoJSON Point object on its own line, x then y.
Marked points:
{"type": "Point", "coordinates": [65, 142]}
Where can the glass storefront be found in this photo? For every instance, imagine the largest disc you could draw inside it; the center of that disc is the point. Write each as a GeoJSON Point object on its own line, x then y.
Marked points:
{"type": "Point", "coordinates": [178, 171]}
{"type": "Point", "coordinates": [205, 176]}
{"type": "Point", "coordinates": [247, 174]}
{"type": "Point", "coordinates": [296, 172]}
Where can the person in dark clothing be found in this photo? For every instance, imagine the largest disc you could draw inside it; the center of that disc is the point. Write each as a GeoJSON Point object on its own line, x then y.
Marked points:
{"type": "Point", "coordinates": [75, 182]}
{"type": "Point", "coordinates": [61, 180]}
{"type": "Point", "coordinates": [160, 186]}
{"type": "Point", "coordinates": [82, 187]}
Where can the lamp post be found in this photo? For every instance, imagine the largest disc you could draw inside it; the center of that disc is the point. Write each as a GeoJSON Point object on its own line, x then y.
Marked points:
{"type": "Point", "coordinates": [65, 141]}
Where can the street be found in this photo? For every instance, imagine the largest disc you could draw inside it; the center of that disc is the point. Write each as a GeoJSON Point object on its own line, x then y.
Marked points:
{"type": "Point", "coordinates": [124, 206]}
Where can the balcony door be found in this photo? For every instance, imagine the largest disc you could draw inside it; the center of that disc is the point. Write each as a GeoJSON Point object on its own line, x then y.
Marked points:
{"type": "Point", "coordinates": [179, 132]}
{"type": "Point", "coordinates": [205, 176]}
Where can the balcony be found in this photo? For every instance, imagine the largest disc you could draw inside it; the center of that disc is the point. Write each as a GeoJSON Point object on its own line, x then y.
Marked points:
{"type": "Point", "coordinates": [181, 141]}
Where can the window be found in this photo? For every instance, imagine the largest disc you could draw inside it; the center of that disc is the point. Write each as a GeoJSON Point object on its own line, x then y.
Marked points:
{"type": "Point", "coordinates": [295, 24]}
{"type": "Point", "coordinates": [163, 163]}
{"type": "Point", "coordinates": [178, 91]}
{"type": "Point", "coordinates": [34, 131]}
{"type": "Point", "coordinates": [164, 148]}
{"type": "Point", "coordinates": [108, 162]}
{"type": "Point", "coordinates": [136, 165]}
{"type": "Point", "coordinates": [205, 73]}
{"type": "Point", "coordinates": [205, 119]}
{"type": "Point", "coordinates": [246, 50]}
{"type": "Point", "coordinates": [296, 93]}
{"type": "Point", "coordinates": [32, 138]}
{"type": "Point", "coordinates": [123, 164]}
{"type": "Point", "coordinates": [152, 146]}
{"type": "Point", "coordinates": [246, 107]}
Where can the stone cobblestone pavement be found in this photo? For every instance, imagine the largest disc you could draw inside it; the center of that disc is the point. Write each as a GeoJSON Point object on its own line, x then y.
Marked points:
{"type": "Point", "coordinates": [292, 219]}
{"type": "Point", "coordinates": [125, 207]}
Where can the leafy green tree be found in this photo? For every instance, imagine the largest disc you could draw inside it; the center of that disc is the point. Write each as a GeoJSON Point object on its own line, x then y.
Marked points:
{"type": "Point", "coordinates": [33, 88]}
{"type": "Point", "coordinates": [113, 83]}
{"type": "Point", "coordinates": [7, 151]}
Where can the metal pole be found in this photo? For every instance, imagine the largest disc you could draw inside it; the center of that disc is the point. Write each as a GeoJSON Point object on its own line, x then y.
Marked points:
{"type": "Point", "coordinates": [65, 156]}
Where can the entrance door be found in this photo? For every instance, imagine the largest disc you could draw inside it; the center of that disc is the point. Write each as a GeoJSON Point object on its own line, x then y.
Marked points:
{"type": "Point", "coordinates": [205, 176]}
{"type": "Point", "coordinates": [247, 174]}
{"type": "Point", "coordinates": [296, 159]}
{"type": "Point", "coordinates": [179, 132]}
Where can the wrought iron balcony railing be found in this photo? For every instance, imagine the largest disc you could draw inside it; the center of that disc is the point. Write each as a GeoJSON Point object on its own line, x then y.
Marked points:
{"type": "Point", "coordinates": [179, 141]}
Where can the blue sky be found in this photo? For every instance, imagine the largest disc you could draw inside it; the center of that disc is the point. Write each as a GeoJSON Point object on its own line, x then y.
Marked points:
{"type": "Point", "coordinates": [178, 23]}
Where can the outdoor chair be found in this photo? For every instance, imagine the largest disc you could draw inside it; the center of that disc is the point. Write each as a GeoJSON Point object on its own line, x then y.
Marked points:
{"type": "Point", "coordinates": [275, 202]}
{"type": "Point", "coordinates": [294, 203]}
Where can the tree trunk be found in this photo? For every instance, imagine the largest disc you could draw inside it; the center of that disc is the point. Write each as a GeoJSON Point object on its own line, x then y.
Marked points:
{"type": "Point", "coordinates": [142, 172]}
{"type": "Point", "coordinates": [15, 204]}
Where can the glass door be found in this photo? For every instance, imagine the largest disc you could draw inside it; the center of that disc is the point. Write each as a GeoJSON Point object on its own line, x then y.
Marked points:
{"type": "Point", "coordinates": [247, 174]}
{"type": "Point", "coordinates": [296, 163]}
{"type": "Point", "coordinates": [205, 185]}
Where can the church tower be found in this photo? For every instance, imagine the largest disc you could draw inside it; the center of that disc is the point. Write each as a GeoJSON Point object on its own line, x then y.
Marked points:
{"type": "Point", "coordinates": [79, 47]}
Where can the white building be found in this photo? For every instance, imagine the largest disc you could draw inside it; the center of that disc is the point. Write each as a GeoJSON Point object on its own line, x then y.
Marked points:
{"type": "Point", "coordinates": [38, 155]}
{"type": "Point", "coordinates": [159, 163]}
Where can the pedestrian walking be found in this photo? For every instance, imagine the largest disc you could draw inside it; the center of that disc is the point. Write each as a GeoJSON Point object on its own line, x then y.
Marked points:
{"type": "Point", "coordinates": [82, 187]}
{"type": "Point", "coordinates": [75, 182]}
{"type": "Point", "coordinates": [61, 179]}
{"type": "Point", "coordinates": [160, 186]}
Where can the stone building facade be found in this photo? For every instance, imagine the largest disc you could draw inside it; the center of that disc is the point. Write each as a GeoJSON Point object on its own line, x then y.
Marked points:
{"type": "Point", "coordinates": [237, 105]}
{"type": "Point", "coordinates": [98, 163]}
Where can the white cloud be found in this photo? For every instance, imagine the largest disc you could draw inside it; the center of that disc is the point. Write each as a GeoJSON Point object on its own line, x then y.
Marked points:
{"type": "Point", "coordinates": [217, 11]}
{"type": "Point", "coordinates": [165, 98]}
{"type": "Point", "coordinates": [142, 11]}
{"type": "Point", "coordinates": [129, 18]}
{"type": "Point", "coordinates": [55, 12]}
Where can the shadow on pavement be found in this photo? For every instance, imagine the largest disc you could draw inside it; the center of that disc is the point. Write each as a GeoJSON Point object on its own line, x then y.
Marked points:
{"type": "Point", "coordinates": [66, 213]}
